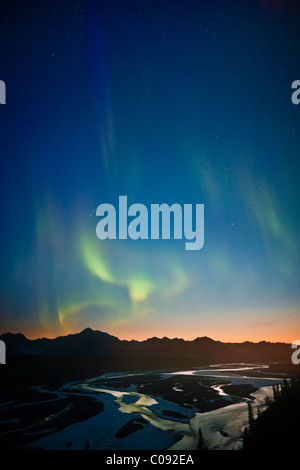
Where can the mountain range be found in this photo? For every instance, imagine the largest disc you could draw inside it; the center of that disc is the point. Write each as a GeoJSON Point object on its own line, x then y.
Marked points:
{"type": "Point", "coordinates": [97, 343]}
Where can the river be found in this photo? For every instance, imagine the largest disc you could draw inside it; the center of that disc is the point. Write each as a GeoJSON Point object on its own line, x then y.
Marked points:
{"type": "Point", "coordinates": [153, 421]}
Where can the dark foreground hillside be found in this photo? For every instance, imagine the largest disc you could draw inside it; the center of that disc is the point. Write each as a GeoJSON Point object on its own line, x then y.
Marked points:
{"type": "Point", "coordinates": [278, 427]}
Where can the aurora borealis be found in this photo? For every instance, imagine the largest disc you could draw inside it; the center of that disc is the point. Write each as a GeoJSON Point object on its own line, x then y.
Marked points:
{"type": "Point", "coordinates": [184, 102]}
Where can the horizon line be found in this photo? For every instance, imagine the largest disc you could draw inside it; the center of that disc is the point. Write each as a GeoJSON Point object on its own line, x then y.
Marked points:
{"type": "Point", "coordinates": [142, 340]}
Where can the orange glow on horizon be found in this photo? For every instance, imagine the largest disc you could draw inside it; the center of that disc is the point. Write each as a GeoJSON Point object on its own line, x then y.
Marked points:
{"type": "Point", "coordinates": [217, 335]}
{"type": "Point", "coordinates": [221, 333]}
{"type": "Point", "coordinates": [234, 327]}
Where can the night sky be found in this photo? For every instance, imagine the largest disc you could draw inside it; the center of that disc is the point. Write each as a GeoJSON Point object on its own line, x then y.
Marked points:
{"type": "Point", "coordinates": [170, 101]}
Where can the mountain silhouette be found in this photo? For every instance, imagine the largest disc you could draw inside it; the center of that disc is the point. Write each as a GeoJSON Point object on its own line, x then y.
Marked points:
{"type": "Point", "coordinates": [97, 343]}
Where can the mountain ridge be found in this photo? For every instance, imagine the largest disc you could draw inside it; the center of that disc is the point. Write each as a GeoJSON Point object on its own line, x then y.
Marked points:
{"type": "Point", "coordinates": [99, 343]}
{"type": "Point", "coordinates": [89, 330]}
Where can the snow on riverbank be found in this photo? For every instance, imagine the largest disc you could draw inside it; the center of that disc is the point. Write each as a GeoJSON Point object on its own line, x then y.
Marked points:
{"type": "Point", "coordinates": [222, 429]}
{"type": "Point", "coordinates": [132, 420]}
{"type": "Point", "coordinates": [100, 433]}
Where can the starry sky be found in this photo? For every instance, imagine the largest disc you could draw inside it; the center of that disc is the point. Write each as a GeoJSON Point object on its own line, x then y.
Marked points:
{"type": "Point", "coordinates": [169, 101]}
